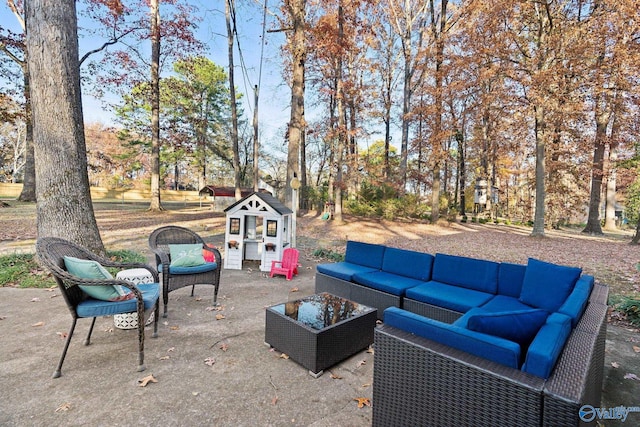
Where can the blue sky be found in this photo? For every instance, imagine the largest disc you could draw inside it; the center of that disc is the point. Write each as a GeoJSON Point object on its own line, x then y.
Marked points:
{"type": "Point", "coordinates": [274, 91]}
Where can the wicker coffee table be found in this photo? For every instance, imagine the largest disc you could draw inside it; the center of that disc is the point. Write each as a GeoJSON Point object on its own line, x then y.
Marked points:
{"type": "Point", "coordinates": [320, 330]}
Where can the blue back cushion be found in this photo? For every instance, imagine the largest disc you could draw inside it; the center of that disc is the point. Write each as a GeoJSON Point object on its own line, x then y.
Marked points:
{"type": "Point", "coordinates": [510, 277]}
{"type": "Point", "coordinates": [471, 273]}
{"type": "Point", "coordinates": [546, 285]}
{"type": "Point", "coordinates": [577, 300]}
{"type": "Point", "coordinates": [519, 326]}
{"type": "Point", "coordinates": [365, 254]}
{"type": "Point", "coordinates": [416, 265]}
{"type": "Point", "coordinates": [545, 348]}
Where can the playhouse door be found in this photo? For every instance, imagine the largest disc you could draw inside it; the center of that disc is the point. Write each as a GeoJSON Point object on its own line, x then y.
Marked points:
{"type": "Point", "coordinates": [272, 242]}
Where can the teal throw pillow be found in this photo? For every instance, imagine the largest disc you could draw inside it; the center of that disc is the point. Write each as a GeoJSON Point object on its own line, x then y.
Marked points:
{"type": "Point", "coordinates": [186, 255]}
{"type": "Point", "coordinates": [88, 269]}
{"type": "Point", "coordinates": [519, 326]}
{"type": "Point", "coordinates": [546, 285]}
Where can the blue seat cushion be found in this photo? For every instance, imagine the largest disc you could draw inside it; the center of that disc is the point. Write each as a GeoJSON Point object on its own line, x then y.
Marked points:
{"type": "Point", "coordinates": [386, 282]}
{"type": "Point", "coordinates": [577, 300]}
{"type": "Point", "coordinates": [416, 265]}
{"type": "Point", "coordinates": [519, 326]}
{"type": "Point", "coordinates": [203, 268]}
{"type": "Point", "coordinates": [94, 308]}
{"type": "Point", "coordinates": [452, 297]}
{"type": "Point", "coordinates": [471, 273]}
{"type": "Point", "coordinates": [546, 347]}
{"type": "Point", "coordinates": [343, 270]}
{"type": "Point", "coordinates": [546, 285]}
{"type": "Point", "coordinates": [489, 347]}
{"type": "Point", "coordinates": [365, 254]}
{"type": "Point", "coordinates": [510, 277]}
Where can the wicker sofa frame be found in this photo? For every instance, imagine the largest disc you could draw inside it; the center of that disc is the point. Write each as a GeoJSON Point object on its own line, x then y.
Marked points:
{"type": "Point", "coordinates": [159, 242]}
{"type": "Point", "coordinates": [417, 381]}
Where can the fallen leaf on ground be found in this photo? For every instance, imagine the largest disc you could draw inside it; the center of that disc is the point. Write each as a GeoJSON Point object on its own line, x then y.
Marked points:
{"type": "Point", "coordinates": [636, 349]}
{"type": "Point", "coordinates": [631, 377]}
{"type": "Point", "coordinates": [64, 407]}
{"type": "Point", "coordinates": [362, 401]}
{"type": "Point", "coordinates": [171, 349]}
{"type": "Point", "coordinates": [615, 364]}
{"type": "Point", "coordinates": [146, 380]}
{"type": "Point", "coordinates": [164, 358]}
{"type": "Point", "coordinates": [274, 400]}
{"type": "Point", "coordinates": [174, 328]}
{"type": "Point", "coordinates": [335, 376]}
{"type": "Point", "coordinates": [62, 335]}
{"type": "Point", "coordinates": [209, 361]}
{"type": "Point", "coordinates": [284, 356]}
{"type": "Point", "coordinates": [36, 299]}
{"type": "Point", "coordinates": [224, 346]}
{"type": "Point", "coordinates": [38, 324]}
{"type": "Point", "coordinates": [294, 289]}
{"type": "Point", "coordinates": [365, 385]}
{"type": "Point", "coordinates": [360, 363]}
{"type": "Point", "coordinates": [370, 350]}
{"type": "Point", "coordinates": [198, 298]}
{"type": "Point", "coordinates": [219, 316]}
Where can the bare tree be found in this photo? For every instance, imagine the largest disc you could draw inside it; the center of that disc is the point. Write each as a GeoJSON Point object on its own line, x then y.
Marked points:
{"type": "Point", "coordinates": [296, 10]}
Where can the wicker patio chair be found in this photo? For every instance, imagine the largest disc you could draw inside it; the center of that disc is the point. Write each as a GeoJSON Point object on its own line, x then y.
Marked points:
{"type": "Point", "coordinates": [51, 252]}
{"type": "Point", "coordinates": [178, 277]}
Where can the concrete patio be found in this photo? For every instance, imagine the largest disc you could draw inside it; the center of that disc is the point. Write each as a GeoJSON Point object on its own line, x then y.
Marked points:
{"type": "Point", "coordinates": [209, 371]}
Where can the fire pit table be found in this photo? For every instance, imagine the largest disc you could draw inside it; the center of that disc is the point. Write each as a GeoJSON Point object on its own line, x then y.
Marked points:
{"type": "Point", "coordinates": [320, 330]}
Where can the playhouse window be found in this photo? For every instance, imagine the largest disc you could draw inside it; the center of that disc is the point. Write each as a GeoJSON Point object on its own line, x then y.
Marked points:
{"type": "Point", "coordinates": [234, 226]}
{"type": "Point", "coordinates": [272, 228]}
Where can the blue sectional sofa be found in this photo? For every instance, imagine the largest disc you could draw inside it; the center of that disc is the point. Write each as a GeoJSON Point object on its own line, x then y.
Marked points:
{"type": "Point", "coordinates": [535, 330]}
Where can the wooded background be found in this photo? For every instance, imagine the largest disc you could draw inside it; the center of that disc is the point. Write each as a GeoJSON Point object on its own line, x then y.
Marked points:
{"type": "Point", "coordinates": [413, 102]}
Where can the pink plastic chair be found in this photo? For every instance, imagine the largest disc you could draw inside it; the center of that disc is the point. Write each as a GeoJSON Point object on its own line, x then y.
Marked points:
{"type": "Point", "coordinates": [289, 264]}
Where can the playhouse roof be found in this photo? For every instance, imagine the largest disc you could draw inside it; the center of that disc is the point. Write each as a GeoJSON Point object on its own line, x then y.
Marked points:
{"type": "Point", "coordinates": [267, 198]}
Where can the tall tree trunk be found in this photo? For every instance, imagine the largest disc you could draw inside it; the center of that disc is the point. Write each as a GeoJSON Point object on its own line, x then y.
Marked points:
{"type": "Point", "coordinates": [540, 132]}
{"type": "Point", "coordinates": [230, 6]}
{"type": "Point", "coordinates": [155, 203]}
{"type": "Point", "coordinates": [438, 34]}
{"type": "Point", "coordinates": [256, 141]}
{"type": "Point", "coordinates": [597, 172]}
{"type": "Point", "coordinates": [610, 211]}
{"type": "Point", "coordinates": [64, 205]}
{"type": "Point", "coordinates": [462, 171]}
{"type": "Point", "coordinates": [28, 193]}
{"type": "Point", "coordinates": [297, 124]}
{"type": "Point", "coordinates": [342, 126]}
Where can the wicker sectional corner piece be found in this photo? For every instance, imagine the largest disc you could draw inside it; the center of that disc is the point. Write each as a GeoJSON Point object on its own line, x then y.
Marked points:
{"type": "Point", "coordinates": [421, 382]}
